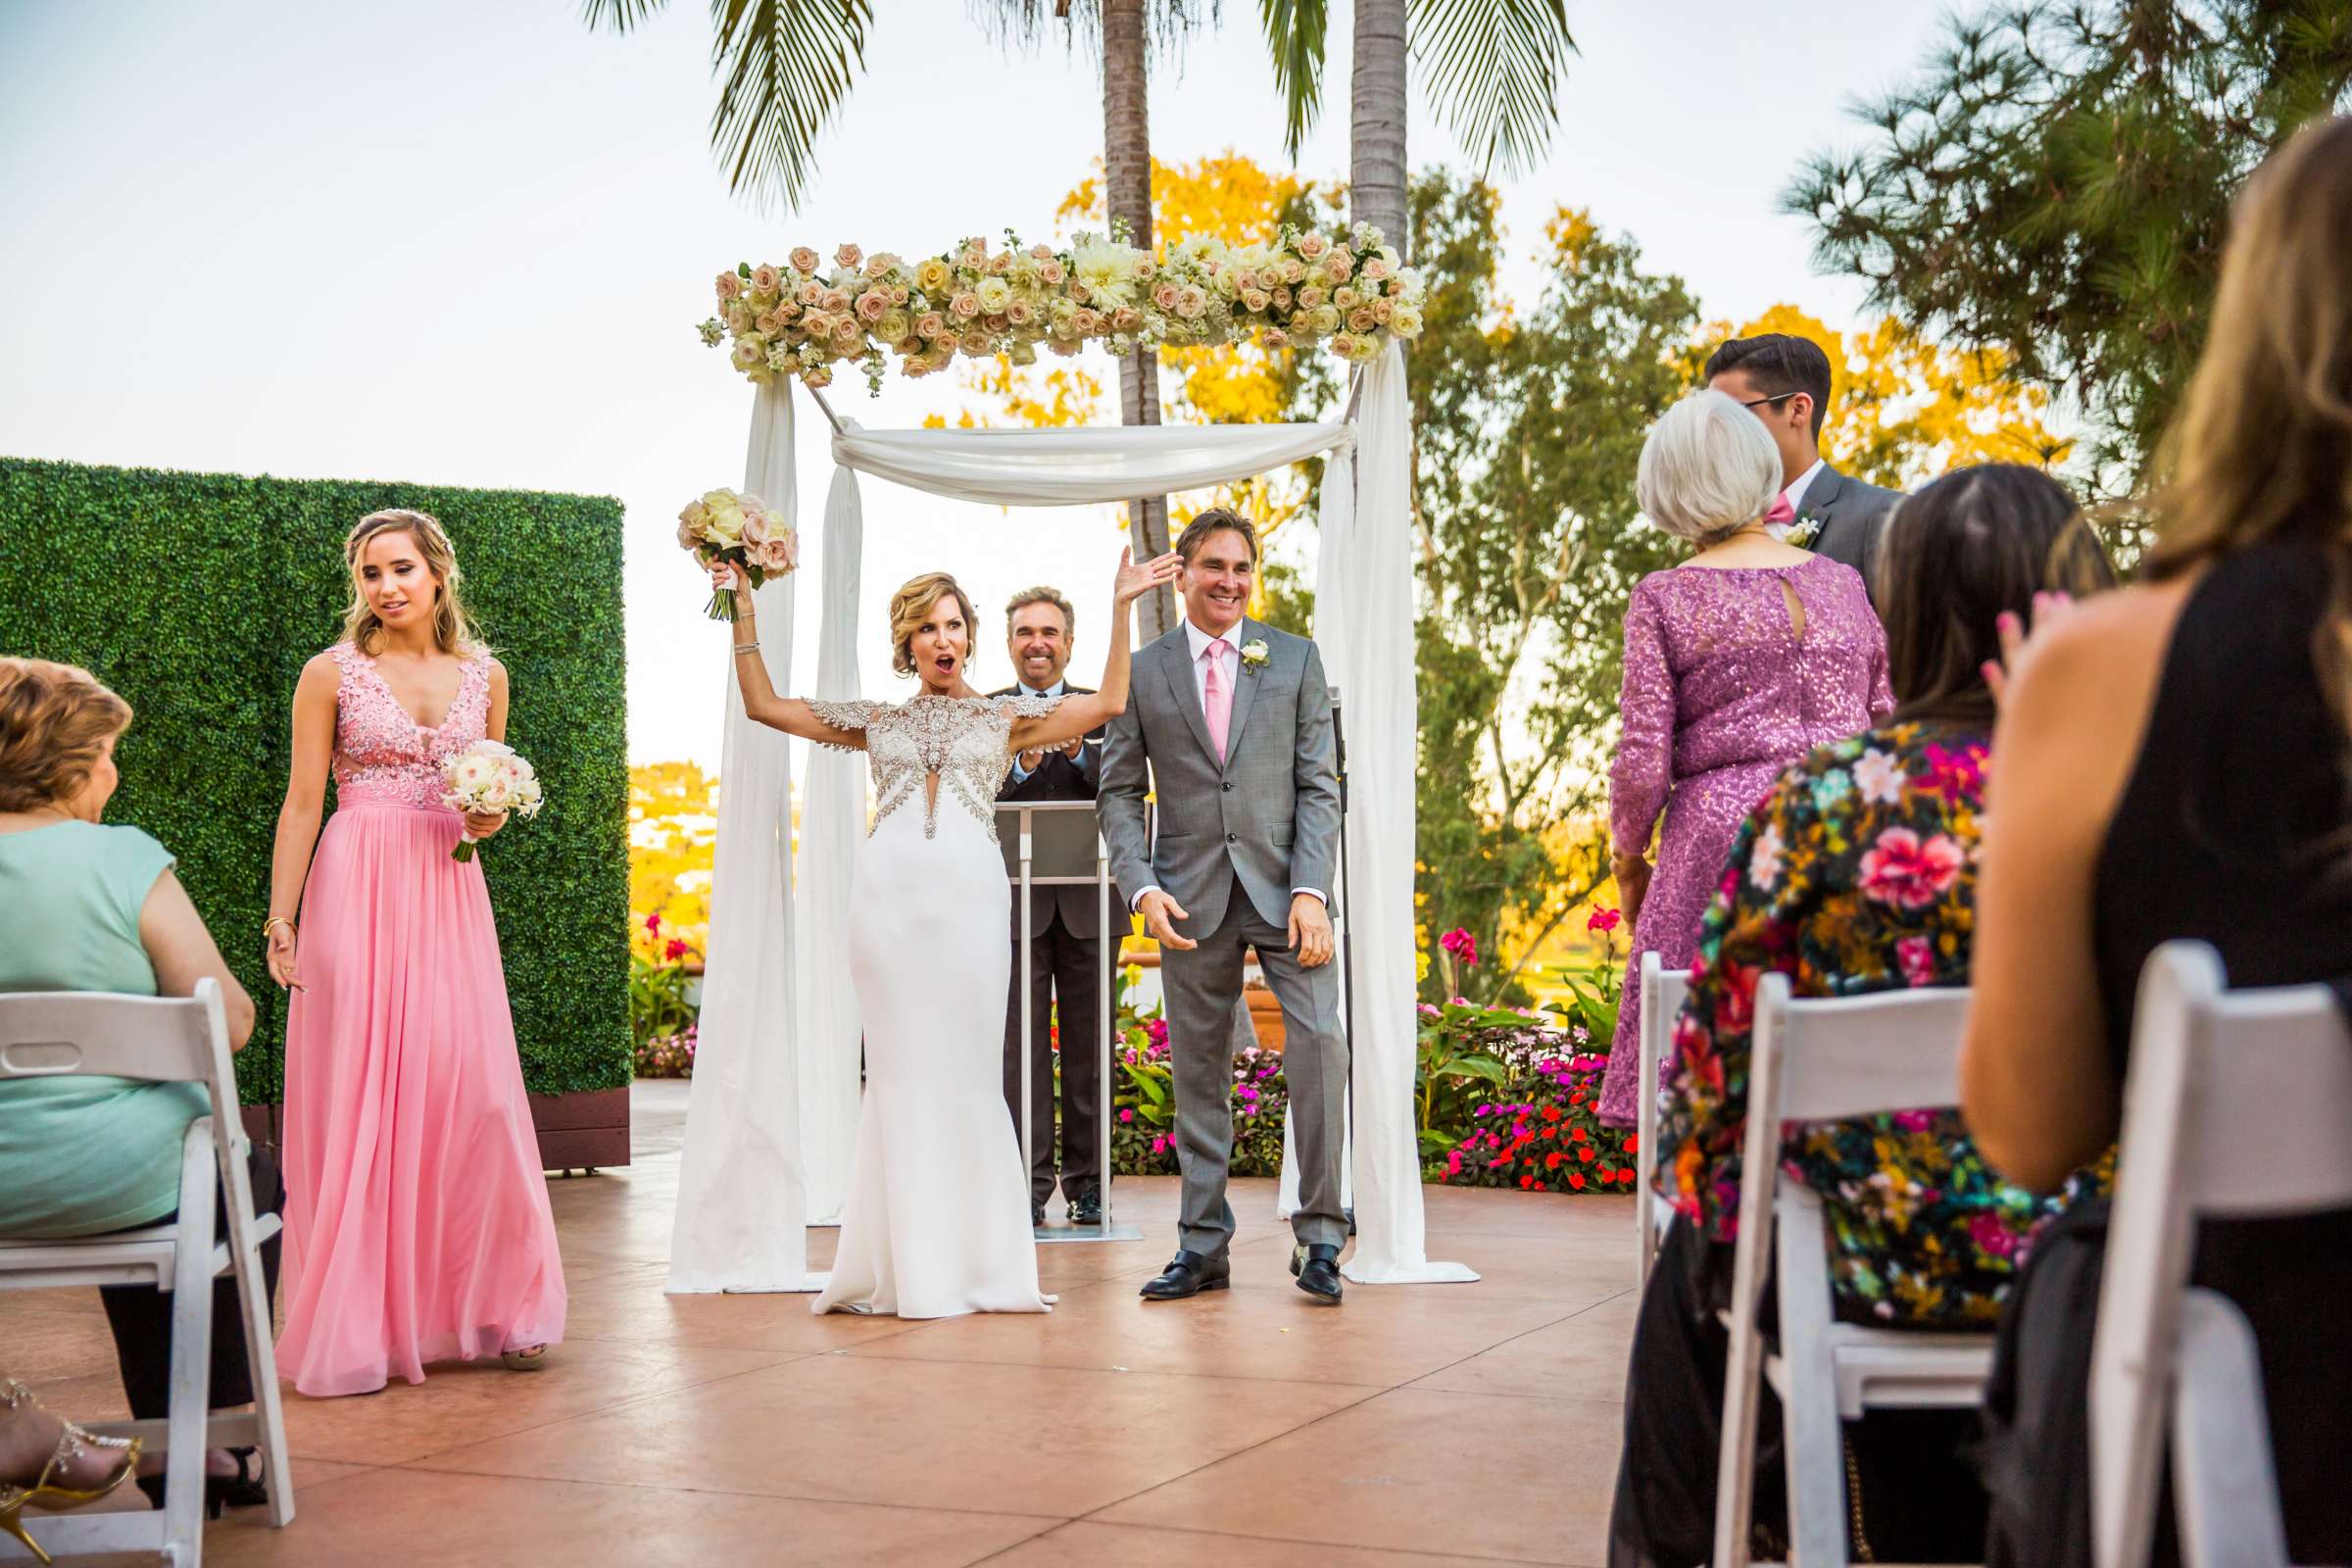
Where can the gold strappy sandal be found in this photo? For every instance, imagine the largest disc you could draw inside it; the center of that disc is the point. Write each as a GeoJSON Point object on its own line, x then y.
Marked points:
{"type": "Point", "coordinates": [49, 1492]}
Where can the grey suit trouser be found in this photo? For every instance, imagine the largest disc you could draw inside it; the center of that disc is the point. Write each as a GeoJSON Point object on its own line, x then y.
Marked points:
{"type": "Point", "coordinates": [1202, 987]}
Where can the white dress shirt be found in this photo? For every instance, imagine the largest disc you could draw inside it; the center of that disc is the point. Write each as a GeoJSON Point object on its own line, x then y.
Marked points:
{"type": "Point", "coordinates": [1023, 689]}
{"type": "Point", "coordinates": [1229, 667]}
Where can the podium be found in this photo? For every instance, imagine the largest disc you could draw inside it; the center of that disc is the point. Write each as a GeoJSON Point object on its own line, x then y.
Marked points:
{"type": "Point", "coordinates": [1060, 843]}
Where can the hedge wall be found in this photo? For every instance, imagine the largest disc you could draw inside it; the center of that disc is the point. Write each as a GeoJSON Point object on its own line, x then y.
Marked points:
{"type": "Point", "coordinates": [199, 597]}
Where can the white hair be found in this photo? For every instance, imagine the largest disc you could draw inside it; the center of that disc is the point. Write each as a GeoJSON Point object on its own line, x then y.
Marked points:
{"type": "Point", "coordinates": [1708, 468]}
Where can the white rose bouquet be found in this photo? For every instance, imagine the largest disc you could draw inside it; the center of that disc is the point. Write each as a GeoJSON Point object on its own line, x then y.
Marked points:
{"type": "Point", "coordinates": [488, 778]}
{"type": "Point", "coordinates": [723, 525]}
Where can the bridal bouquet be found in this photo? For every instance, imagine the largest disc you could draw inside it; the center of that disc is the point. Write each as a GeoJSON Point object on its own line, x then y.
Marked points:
{"type": "Point", "coordinates": [723, 525]}
{"type": "Point", "coordinates": [489, 777]}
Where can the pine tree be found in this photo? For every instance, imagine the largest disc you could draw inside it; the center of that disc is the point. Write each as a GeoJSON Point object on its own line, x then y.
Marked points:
{"type": "Point", "coordinates": [2055, 186]}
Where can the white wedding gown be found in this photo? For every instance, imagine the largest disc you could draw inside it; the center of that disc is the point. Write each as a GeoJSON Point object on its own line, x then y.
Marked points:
{"type": "Point", "coordinates": [936, 1222]}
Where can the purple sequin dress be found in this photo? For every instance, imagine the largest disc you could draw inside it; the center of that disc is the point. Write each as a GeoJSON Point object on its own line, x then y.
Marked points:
{"type": "Point", "coordinates": [1720, 696]}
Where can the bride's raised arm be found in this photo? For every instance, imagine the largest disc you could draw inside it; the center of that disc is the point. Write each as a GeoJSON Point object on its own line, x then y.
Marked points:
{"type": "Point", "coordinates": [792, 714]}
{"type": "Point", "coordinates": [1082, 715]}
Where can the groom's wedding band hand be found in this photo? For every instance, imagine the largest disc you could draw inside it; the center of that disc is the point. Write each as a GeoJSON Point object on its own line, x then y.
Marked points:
{"type": "Point", "coordinates": [1310, 932]}
{"type": "Point", "coordinates": [1160, 914]}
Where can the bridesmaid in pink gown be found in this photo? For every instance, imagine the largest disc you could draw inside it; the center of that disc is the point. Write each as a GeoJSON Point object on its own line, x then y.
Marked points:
{"type": "Point", "coordinates": [1736, 663]}
{"type": "Point", "coordinates": [417, 1218]}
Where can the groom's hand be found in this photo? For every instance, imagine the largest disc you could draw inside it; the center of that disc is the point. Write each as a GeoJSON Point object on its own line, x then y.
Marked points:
{"type": "Point", "coordinates": [1310, 931]}
{"type": "Point", "coordinates": [1160, 914]}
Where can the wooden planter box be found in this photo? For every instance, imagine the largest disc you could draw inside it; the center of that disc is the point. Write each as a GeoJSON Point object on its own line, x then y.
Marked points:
{"type": "Point", "coordinates": [1265, 1012]}
{"type": "Point", "coordinates": [575, 1131]}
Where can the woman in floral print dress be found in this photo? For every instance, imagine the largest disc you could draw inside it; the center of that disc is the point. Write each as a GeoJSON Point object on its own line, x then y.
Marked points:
{"type": "Point", "coordinates": [1856, 874]}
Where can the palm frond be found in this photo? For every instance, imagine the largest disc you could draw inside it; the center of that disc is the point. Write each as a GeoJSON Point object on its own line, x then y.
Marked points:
{"type": "Point", "coordinates": [1492, 71]}
{"type": "Point", "coordinates": [618, 15]}
{"type": "Point", "coordinates": [788, 66]}
{"type": "Point", "coordinates": [1296, 34]}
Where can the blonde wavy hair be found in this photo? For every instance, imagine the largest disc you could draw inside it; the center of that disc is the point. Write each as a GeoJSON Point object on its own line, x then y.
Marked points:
{"type": "Point", "coordinates": [55, 723]}
{"type": "Point", "coordinates": [912, 604]}
{"type": "Point", "coordinates": [454, 631]}
{"type": "Point", "coordinates": [2262, 444]}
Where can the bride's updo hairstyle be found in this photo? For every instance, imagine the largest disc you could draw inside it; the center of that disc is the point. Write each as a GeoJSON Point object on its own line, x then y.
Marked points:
{"type": "Point", "coordinates": [1708, 469]}
{"type": "Point", "coordinates": [453, 631]}
{"type": "Point", "coordinates": [911, 606]}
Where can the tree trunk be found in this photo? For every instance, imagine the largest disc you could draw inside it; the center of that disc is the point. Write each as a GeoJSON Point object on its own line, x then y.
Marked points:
{"type": "Point", "coordinates": [1376, 122]}
{"type": "Point", "coordinates": [1127, 176]}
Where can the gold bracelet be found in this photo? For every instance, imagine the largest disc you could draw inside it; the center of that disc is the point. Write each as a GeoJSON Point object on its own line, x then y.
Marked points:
{"type": "Point", "coordinates": [273, 923]}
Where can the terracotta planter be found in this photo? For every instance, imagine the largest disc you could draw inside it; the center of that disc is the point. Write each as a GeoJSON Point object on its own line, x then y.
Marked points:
{"type": "Point", "coordinates": [1265, 1016]}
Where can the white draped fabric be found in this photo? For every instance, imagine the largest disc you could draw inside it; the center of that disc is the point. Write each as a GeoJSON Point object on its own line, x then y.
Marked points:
{"type": "Point", "coordinates": [775, 1079]}
{"type": "Point", "coordinates": [742, 1167]}
{"type": "Point", "coordinates": [832, 820]}
{"type": "Point", "coordinates": [1073, 467]}
{"type": "Point", "coordinates": [1364, 624]}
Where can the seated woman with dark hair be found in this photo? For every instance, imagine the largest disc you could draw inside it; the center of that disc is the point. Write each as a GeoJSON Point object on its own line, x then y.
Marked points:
{"type": "Point", "coordinates": [1856, 874]}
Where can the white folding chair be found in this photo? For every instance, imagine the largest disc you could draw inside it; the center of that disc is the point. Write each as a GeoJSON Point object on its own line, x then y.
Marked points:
{"type": "Point", "coordinates": [164, 1040]}
{"type": "Point", "coordinates": [2214, 1074]}
{"type": "Point", "coordinates": [1826, 1060]}
{"type": "Point", "coordinates": [1662, 995]}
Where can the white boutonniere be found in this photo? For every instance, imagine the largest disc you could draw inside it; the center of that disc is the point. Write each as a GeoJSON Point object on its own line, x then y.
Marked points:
{"type": "Point", "coordinates": [1253, 653]}
{"type": "Point", "coordinates": [1803, 530]}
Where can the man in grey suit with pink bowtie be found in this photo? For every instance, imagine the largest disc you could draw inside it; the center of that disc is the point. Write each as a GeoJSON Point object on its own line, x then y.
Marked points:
{"type": "Point", "coordinates": [1230, 723]}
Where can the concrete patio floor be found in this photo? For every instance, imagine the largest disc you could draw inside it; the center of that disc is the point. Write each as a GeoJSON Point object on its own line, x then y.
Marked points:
{"type": "Point", "coordinates": [1428, 1424]}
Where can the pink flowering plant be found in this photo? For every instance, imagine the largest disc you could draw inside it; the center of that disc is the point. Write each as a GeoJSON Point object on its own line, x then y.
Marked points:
{"type": "Point", "coordinates": [1527, 1117]}
{"type": "Point", "coordinates": [667, 1055]}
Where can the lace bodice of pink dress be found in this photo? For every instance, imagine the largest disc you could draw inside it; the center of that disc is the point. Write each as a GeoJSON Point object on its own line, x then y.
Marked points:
{"type": "Point", "coordinates": [1721, 695]}
{"type": "Point", "coordinates": [383, 756]}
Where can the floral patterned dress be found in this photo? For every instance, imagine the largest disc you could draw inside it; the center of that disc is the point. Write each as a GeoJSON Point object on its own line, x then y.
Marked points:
{"type": "Point", "coordinates": [1856, 874]}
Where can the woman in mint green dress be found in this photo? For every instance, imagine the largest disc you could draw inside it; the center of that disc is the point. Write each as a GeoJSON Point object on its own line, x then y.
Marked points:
{"type": "Point", "coordinates": [88, 907]}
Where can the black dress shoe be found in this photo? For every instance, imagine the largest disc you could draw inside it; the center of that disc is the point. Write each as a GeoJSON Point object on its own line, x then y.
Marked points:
{"type": "Point", "coordinates": [1037, 1215]}
{"type": "Point", "coordinates": [1087, 1208]}
{"type": "Point", "coordinates": [1317, 1270]}
{"type": "Point", "coordinates": [1187, 1274]}
{"type": "Point", "coordinates": [1351, 1222]}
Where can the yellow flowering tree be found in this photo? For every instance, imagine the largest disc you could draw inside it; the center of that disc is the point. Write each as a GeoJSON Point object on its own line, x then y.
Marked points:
{"type": "Point", "coordinates": [673, 829]}
{"type": "Point", "coordinates": [1903, 410]}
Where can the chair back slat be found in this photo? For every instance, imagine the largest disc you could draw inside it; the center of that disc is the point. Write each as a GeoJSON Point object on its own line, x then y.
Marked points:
{"type": "Point", "coordinates": [1859, 1056]}
{"type": "Point", "coordinates": [46, 1034]}
{"type": "Point", "coordinates": [2271, 1070]}
{"type": "Point", "coordinates": [1663, 991]}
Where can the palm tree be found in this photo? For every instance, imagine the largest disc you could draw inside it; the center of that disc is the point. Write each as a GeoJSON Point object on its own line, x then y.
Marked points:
{"type": "Point", "coordinates": [787, 66]}
{"type": "Point", "coordinates": [1492, 68]}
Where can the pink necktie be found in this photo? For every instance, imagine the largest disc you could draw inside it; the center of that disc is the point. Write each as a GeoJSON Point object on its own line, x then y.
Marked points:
{"type": "Point", "coordinates": [1216, 696]}
{"type": "Point", "coordinates": [1781, 514]}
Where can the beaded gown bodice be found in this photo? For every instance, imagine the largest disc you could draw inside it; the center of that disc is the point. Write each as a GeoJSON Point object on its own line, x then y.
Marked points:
{"type": "Point", "coordinates": [963, 740]}
{"type": "Point", "coordinates": [383, 756]}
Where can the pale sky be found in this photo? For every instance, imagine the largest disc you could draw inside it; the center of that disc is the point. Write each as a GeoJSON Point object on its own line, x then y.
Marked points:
{"type": "Point", "coordinates": [466, 242]}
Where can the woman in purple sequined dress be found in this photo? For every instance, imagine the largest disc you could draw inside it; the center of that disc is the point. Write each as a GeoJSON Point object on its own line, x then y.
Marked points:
{"type": "Point", "coordinates": [1736, 663]}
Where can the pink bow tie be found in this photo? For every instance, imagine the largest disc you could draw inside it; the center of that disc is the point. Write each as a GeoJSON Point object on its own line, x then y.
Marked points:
{"type": "Point", "coordinates": [1780, 514]}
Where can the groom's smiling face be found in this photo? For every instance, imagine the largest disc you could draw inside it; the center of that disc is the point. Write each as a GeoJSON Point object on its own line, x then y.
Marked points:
{"type": "Point", "coordinates": [1216, 581]}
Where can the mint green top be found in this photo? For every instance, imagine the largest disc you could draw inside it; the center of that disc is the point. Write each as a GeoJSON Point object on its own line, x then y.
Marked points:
{"type": "Point", "coordinates": [81, 1155]}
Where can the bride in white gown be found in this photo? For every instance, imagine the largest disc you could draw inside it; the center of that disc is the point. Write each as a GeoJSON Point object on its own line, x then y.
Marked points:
{"type": "Point", "coordinates": [937, 1219]}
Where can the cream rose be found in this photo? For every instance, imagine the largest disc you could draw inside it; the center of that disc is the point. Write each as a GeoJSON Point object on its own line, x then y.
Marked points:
{"type": "Point", "coordinates": [1277, 338]}
{"type": "Point", "coordinates": [750, 353]}
{"type": "Point", "coordinates": [929, 325]}
{"type": "Point", "coordinates": [765, 279]}
{"type": "Point", "coordinates": [994, 294]}
{"type": "Point", "coordinates": [1164, 296]}
{"type": "Point", "coordinates": [933, 275]}
{"type": "Point", "coordinates": [1020, 314]}
{"type": "Point", "coordinates": [1191, 301]}
{"type": "Point", "coordinates": [1311, 246]}
{"type": "Point", "coordinates": [1362, 319]}
{"type": "Point", "coordinates": [804, 261]}
{"type": "Point", "coordinates": [1326, 320]}
{"type": "Point", "coordinates": [848, 256]}
{"type": "Point", "coordinates": [1254, 300]}
{"type": "Point", "coordinates": [810, 293]}
{"type": "Point", "coordinates": [729, 287]}
{"type": "Point", "coordinates": [965, 305]}
{"type": "Point", "coordinates": [872, 306]}
{"type": "Point", "coordinates": [1405, 320]}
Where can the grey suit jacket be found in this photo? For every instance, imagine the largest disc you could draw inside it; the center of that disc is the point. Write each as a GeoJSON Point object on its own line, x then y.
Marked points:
{"type": "Point", "coordinates": [1269, 814]}
{"type": "Point", "coordinates": [1854, 515]}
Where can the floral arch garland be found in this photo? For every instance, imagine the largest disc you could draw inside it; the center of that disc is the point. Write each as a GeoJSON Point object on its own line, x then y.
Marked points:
{"type": "Point", "coordinates": [1349, 292]}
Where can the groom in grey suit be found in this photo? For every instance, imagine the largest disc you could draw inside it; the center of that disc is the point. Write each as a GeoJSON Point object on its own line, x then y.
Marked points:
{"type": "Point", "coordinates": [1785, 381]}
{"type": "Point", "coordinates": [1232, 722]}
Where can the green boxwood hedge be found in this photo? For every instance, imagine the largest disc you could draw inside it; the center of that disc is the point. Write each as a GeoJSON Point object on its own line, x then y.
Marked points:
{"type": "Point", "coordinates": [199, 597]}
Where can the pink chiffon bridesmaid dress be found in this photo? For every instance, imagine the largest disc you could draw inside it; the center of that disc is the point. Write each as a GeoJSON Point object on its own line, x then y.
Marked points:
{"type": "Point", "coordinates": [418, 1226]}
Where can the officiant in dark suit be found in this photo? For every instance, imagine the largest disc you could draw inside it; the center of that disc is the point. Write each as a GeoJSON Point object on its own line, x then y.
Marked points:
{"type": "Point", "coordinates": [1066, 936]}
{"type": "Point", "coordinates": [1783, 380]}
